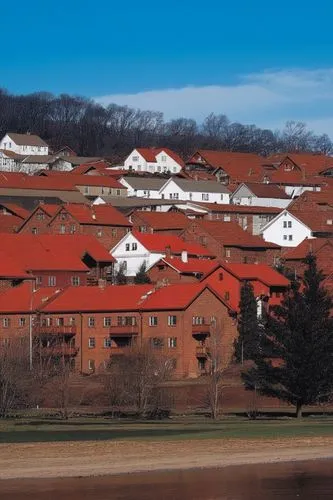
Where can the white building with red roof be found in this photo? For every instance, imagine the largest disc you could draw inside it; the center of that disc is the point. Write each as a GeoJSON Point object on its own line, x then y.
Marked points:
{"type": "Point", "coordinates": [154, 160]}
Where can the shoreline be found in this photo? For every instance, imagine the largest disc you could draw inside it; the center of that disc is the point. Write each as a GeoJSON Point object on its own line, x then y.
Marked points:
{"type": "Point", "coordinates": [119, 458]}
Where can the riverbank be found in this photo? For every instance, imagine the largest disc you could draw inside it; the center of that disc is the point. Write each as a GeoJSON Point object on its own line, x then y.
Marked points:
{"type": "Point", "coordinates": [97, 458]}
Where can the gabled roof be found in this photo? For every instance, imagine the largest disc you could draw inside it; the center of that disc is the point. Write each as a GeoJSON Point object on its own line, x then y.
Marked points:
{"type": "Point", "coordinates": [49, 209]}
{"type": "Point", "coordinates": [158, 243]}
{"type": "Point", "coordinates": [230, 234]}
{"type": "Point", "coordinates": [310, 163]}
{"type": "Point", "coordinates": [22, 299]}
{"type": "Point", "coordinates": [189, 186]}
{"type": "Point", "coordinates": [162, 220]}
{"type": "Point", "coordinates": [23, 181]}
{"type": "Point", "coordinates": [26, 139]}
{"type": "Point", "coordinates": [79, 160]}
{"type": "Point", "coordinates": [99, 166]}
{"type": "Point", "coordinates": [191, 266]}
{"type": "Point", "coordinates": [15, 209]}
{"type": "Point", "coordinates": [260, 272]}
{"type": "Point", "coordinates": [9, 223]}
{"type": "Point", "coordinates": [227, 208]}
{"type": "Point", "coordinates": [264, 190]}
{"type": "Point", "coordinates": [149, 154]}
{"type": "Point", "coordinates": [104, 215]}
{"type": "Point", "coordinates": [312, 245]}
{"type": "Point", "coordinates": [317, 220]}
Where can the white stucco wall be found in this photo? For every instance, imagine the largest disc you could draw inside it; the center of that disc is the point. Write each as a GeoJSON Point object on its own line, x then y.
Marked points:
{"type": "Point", "coordinates": [141, 193]}
{"type": "Point", "coordinates": [133, 258]}
{"type": "Point", "coordinates": [171, 191]}
{"type": "Point", "coordinates": [276, 232]}
{"type": "Point", "coordinates": [9, 144]}
{"type": "Point", "coordinates": [164, 163]}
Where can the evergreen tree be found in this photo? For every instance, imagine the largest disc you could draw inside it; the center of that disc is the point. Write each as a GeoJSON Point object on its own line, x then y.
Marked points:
{"type": "Point", "coordinates": [247, 343]}
{"type": "Point", "coordinates": [296, 357]}
{"type": "Point", "coordinates": [141, 276]}
{"type": "Point", "coordinates": [120, 276]}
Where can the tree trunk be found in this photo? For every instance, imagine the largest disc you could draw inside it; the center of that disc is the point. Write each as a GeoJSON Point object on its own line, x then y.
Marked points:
{"type": "Point", "coordinates": [299, 410]}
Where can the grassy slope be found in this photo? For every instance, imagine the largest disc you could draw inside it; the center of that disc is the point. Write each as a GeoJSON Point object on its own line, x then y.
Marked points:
{"type": "Point", "coordinates": [80, 429]}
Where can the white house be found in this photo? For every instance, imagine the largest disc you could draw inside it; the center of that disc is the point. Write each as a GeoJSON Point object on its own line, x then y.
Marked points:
{"type": "Point", "coordinates": [286, 230]}
{"type": "Point", "coordinates": [154, 160]}
{"type": "Point", "coordinates": [260, 195]}
{"type": "Point", "coordinates": [136, 248]}
{"type": "Point", "coordinates": [143, 187]}
{"type": "Point", "coordinates": [186, 190]}
{"type": "Point", "coordinates": [7, 161]}
{"type": "Point", "coordinates": [24, 144]}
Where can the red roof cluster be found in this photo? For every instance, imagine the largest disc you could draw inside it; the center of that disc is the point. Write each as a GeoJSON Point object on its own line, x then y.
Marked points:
{"type": "Point", "coordinates": [161, 243]}
{"type": "Point", "coordinates": [103, 215]}
{"type": "Point", "coordinates": [162, 220]}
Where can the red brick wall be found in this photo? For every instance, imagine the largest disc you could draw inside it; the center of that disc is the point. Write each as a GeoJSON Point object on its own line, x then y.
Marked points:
{"type": "Point", "coordinates": [139, 223]}
{"type": "Point", "coordinates": [63, 278]}
{"type": "Point", "coordinates": [36, 223]}
{"type": "Point", "coordinates": [165, 272]}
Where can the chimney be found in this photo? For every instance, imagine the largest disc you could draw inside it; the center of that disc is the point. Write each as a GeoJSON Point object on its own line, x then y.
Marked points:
{"type": "Point", "coordinates": [168, 251]}
{"type": "Point", "coordinates": [184, 256]}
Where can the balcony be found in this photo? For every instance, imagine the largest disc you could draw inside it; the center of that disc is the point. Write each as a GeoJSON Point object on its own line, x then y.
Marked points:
{"type": "Point", "coordinates": [123, 331]}
{"type": "Point", "coordinates": [203, 329]}
{"type": "Point", "coordinates": [202, 351]}
{"type": "Point", "coordinates": [58, 351]}
{"type": "Point", "coordinates": [69, 330]}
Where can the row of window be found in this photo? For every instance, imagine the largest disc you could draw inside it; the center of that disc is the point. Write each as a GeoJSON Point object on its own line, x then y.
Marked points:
{"type": "Point", "coordinates": [288, 237]}
{"type": "Point", "coordinates": [6, 322]}
{"type": "Point", "coordinates": [287, 223]}
{"type": "Point", "coordinates": [156, 342]}
{"type": "Point", "coordinates": [52, 280]}
{"type": "Point", "coordinates": [131, 246]}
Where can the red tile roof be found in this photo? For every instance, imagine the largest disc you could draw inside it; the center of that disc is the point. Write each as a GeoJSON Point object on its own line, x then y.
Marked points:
{"type": "Point", "coordinates": [22, 299]}
{"type": "Point", "coordinates": [317, 220]}
{"type": "Point", "coordinates": [310, 163]}
{"type": "Point", "coordinates": [260, 272]}
{"type": "Point", "coordinates": [9, 223]}
{"type": "Point", "coordinates": [312, 245]}
{"type": "Point", "coordinates": [149, 154]}
{"type": "Point", "coordinates": [192, 266]}
{"type": "Point", "coordinates": [215, 207]}
{"type": "Point", "coordinates": [15, 209]}
{"type": "Point", "coordinates": [162, 220]}
{"type": "Point", "coordinates": [159, 243]}
{"type": "Point", "coordinates": [10, 268]}
{"type": "Point", "coordinates": [266, 190]}
{"type": "Point", "coordinates": [104, 214]}
{"type": "Point", "coordinates": [24, 181]}
{"type": "Point", "coordinates": [231, 234]}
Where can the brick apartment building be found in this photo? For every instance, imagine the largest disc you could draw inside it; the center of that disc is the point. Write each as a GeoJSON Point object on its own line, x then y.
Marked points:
{"type": "Point", "coordinates": [89, 324]}
{"type": "Point", "coordinates": [104, 222]}
{"type": "Point", "coordinates": [228, 241]}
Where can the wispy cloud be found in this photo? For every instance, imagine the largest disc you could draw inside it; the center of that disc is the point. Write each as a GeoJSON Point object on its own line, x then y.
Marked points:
{"type": "Point", "coordinates": [268, 99]}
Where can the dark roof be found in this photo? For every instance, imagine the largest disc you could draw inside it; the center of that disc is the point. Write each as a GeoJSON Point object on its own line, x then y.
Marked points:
{"type": "Point", "coordinates": [265, 190]}
{"type": "Point", "coordinates": [26, 139]}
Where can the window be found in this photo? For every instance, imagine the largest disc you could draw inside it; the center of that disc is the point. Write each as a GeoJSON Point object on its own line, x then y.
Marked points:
{"type": "Point", "coordinates": [156, 342]}
{"type": "Point", "coordinates": [22, 322]}
{"type": "Point", "coordinates": [91, 342]}
{"type": "Point", "coordinates": [63, 216]}
{"type": "Point", "coordinates": [198, 320]}
{"type": "Point", "coordinates": [107, 342]}
{"type": "Point", "coordinates": [172, 342]}
{"type": "Point", "coordinates": [62, 229]}
{"type": "Point", "coordinates": [226, 218]}
{"type": "Point", "coordinates": [203, 240]}
{"type": "Point", "coordinates": [127, 247]}
{"type": "Point", "coordinates": [114, 232]}
{"type": "Point", "coordinates": [163, 158]}
{"type": "Point", "coordinates": [71, 321]}
{"type": "Point", "coordinates": [34, 230]}
{"type": "Point", "coordinates": [135, 158]}
{"type": "Point", "coordinates": [75, 280]}
{"type": "Point", "coordinates": [285, 237]}
{"type": "Point", "coordinates": [39, 280]}
{"type": "Point", "coordinates": [227, 295]}
{"type": "Point", "coordinates": [284, 223]}
{"type": "Point", "coordinates": [86, 189]}
{"type": "Point", "coordinates": [40, 216]}
{"type": "Point", "coordinates": [99, 233]}
{"type": "Point", "coordinates": [72, 229]}
{"type": "Point", "coordinates": [91, 365]}
{"type": "Point", "coordinates": [290, 237]}
{"type": "Point", "coordinates": [227, 252]}
{"type": "Point", "coordinates": [60, 321]}
{"type": "Point", "coordinates": [107, 321]}
{"type": "Point", "coordinates": [6, 322]}
{"type": "Point", "coordinates": [153, 320]}
{"type": "Point", "coordinates": [289, 223]}
{"type": "Point", "coordinates": [134, 246]}
{"type": "Point", "coordinates": [205, 197]}
{"type": "Point", "coordinates": [220, 276]}
{"type": "Point", "coordinates": [126, 321]}
{"type": "Point", "coordinates": [172, 320]}
{"type": "Point", "coordinates": [52, 281]}
{"type": "Point", "coordinates": [91, 322]}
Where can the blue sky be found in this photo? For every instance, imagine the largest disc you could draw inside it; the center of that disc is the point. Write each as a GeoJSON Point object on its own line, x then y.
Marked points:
{"type": "Point", "coordinates": [257, 61]}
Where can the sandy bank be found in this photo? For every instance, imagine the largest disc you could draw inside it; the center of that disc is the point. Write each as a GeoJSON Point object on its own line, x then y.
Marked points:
{"type": "Point", "coordinates": [72, 459]}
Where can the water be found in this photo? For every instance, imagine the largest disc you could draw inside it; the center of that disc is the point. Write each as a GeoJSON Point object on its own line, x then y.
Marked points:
{"type": "Point", "coordinates": [298, 481]}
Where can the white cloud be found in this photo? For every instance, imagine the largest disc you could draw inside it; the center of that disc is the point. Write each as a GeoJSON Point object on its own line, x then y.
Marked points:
{"type": "Point", "coordinates": [262, 98]}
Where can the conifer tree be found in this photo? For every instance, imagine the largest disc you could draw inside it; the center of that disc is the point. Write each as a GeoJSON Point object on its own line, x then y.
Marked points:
{"type": "Point", "coordinates": [296, 357]}
{"type": "Point", "coordinates": [141, 276]}
{"type": "Point", "coordinates": [120, 276]}
{"type": "Point", "coordinates": [247, 343]}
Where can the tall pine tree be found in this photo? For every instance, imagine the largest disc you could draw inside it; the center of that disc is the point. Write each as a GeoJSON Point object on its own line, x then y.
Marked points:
{"type": "Point", "coordinates": [141, 276]}
{"type": "Point", "coordinates": [296, 356]}
{"type": "Point", "coordinates": [247, 342]}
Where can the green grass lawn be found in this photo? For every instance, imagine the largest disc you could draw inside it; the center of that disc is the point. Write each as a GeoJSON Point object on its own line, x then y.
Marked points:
{"type": "Point", "coordinates": [24, 430]}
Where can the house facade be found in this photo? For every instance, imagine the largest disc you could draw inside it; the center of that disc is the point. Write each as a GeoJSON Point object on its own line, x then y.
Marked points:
{"type": "Point", "coordinates": [143, 187]}
{"type": "Point", "coordinates": [154, 161]}
{"type": "Point", "coordinates": [264, 195]}
{"type": "Point", "coordinates": [286, 230]}
{"type": "Point", "coordinates": [24, 144]}
{"type": "Point", "coordinates": [188, 190]}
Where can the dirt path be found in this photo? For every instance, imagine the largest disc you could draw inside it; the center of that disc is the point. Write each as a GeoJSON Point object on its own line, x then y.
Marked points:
{"type": "Point", "coordinates": [72, 459]}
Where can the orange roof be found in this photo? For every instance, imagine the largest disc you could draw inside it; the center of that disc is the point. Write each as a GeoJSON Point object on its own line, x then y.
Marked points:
{"type": "Point", "coordinates": [104, 214]}
{"type": "Point", "coordinates": [53, 252]}
{"type": "Point", "coordinates": [311, 163]}
{"type": "Point", "coordinates": [149, 154]}
{"type": "Point", "coordinates": [22, 299]}
{"type": "Point", "coordinates": [266, 190]}
{"type": "Point", "coordinates": [126, 298]}
{"type": "Point", "coordinates": [15, 209]}
{"type": "Point", "coordinates": [260, 272]}
{"type": "Point", "coordinates": [312, 245]}
{"type": "Point", "coordinates": [19, 180]}
{"type": "Point", "coordinates": [9, 223]}
{"type": "Point", "coordinates": [317, 220]}
{"type": "Point", "coordinates": [231, 234]}
{"type": "Point", "coordinates": [192, 266]}
{"type": "Point", "coordinates": [162, 220]}
{"type": "Point", "coordinates": [10, 268]}
{"type": "Point", "coordinates": [159, 243]}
